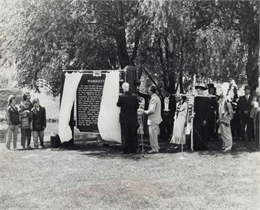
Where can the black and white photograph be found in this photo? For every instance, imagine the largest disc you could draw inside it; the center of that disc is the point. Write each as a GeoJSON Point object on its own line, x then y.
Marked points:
{"type": "Point", "coordinates": [129, 105]}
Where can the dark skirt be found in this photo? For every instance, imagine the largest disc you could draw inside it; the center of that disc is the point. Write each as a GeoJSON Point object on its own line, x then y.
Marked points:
{"type": "Point", "coordinates": [200, 141]}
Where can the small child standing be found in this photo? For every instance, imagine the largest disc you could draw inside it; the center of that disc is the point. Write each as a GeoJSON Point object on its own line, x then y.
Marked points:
{"type": "Point", "coordinates": [38, 123]}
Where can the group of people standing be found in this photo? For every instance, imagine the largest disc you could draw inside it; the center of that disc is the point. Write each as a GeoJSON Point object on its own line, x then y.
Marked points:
{"type": "Point", "coordinates": [30, 117]}
{"type": "Point", "coordinates": [172, 118]}
{"type": "Point", "coordinates": [129, 104]}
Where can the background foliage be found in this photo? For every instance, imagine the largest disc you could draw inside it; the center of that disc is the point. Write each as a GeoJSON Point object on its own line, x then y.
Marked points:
{"type": "Point", "coordinates": [170, 40]}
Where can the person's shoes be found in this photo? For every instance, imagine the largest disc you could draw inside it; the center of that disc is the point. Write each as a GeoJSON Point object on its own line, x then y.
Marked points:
{"type": "Point", "coordinates": [152, 151]}
{"type": "Point", "coordinates": [29, 147]}
{"type": "Point", "coordinates": [226, 150]}
{"type": "Point", "coordinates": [43, 146]}
{"type": "Point", "coordinates": [256, 148]}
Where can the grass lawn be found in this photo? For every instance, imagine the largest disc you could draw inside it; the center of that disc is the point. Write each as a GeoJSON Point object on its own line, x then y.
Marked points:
{"type": "Point", "coordinates": [91, 176]}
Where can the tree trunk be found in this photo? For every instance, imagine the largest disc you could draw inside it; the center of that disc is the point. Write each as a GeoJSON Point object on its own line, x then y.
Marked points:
{"type": "Point", "coordinates": [252, 68]}
{"type": "Point", "coordinates": [120, 36]}
{"type": "Point", "coordinates": [181, 66]}
{"type": "Point", "coordinates": [162, 62]}
{"type": "Point", "coordinates": [150, 77]}
{"type": "Point", "coordinates": [252, 38]}
{"type": "Point", "coordinates": [167, 61]}
{"type": "Point", "coordinates": [172, 83]}
{"type": "Point", "coordinates": [137, 38]}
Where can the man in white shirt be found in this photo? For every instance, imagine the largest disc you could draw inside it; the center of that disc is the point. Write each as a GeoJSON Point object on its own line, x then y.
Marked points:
{"type": "Point", "coordinates": [168, 110]}
{"type": "Point", "coordinates": [154, 119]}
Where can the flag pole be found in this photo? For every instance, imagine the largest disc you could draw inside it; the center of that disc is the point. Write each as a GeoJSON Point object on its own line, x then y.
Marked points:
{"type": "Point", "coordinates": [141, 131]}
{"type": "Point", "coordinates": [192, 112]}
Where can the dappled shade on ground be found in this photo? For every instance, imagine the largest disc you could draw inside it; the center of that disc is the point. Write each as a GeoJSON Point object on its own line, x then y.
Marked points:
{"type": "Point", "coordinates": [96, 176]}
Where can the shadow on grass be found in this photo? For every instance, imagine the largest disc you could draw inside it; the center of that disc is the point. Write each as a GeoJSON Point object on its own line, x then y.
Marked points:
{"type": "Point", "coordinates": [101, 150]}
{"type": "Point", "coordinates": [113, 150]}
{"type": "Point", "coordinates": [239, 148]}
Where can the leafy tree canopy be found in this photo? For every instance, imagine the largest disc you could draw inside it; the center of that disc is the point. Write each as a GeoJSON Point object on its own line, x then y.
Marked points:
{"type": "Point", "coordinates": [169, 40]}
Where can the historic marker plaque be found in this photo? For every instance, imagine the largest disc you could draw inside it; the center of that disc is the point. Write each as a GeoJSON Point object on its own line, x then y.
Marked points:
{"type": "Point", "coordinates": [89, 95]}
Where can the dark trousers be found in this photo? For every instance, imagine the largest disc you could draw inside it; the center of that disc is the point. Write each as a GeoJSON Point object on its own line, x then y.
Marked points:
{"type": "Point", "coordinates": [248, 123]}
{"type": "Point", "coordinates": [146, 131]}
{"type": "Point", "coordinates": [38, 135]}
{"type": "Point", "coordinates": [129, 138]}
{"type": "Point", "coordinates": [200, 140]}
{"type": "Point", "coordinates": [25, 134]}
{"type": "Point", "coordinates": [166, 127]}
{"type": "Point", "coordinates": [257, 129]}
{"type": "Point", "coordinates": [236, 126]}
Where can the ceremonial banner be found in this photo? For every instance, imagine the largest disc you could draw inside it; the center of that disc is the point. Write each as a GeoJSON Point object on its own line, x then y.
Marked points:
{"type": "Point", "coordinates": [68, 97]}
{"type": "Point", "coordinates": [108, 119]}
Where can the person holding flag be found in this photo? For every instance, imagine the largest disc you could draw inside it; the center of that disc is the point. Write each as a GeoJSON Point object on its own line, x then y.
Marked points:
{"type": "Point", "coordinates": [225, 116]}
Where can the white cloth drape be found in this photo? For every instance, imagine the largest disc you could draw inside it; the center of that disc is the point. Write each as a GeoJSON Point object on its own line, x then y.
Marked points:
{"type": "Point", "coordinates": [108, 119]}
{"type": "Point", "coordinates": [178, 136]}
{"type": "Point", "coordinates": [69, 93]}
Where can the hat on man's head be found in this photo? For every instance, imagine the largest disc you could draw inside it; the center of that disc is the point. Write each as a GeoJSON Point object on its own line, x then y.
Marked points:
{"type": "Point", "coordinates": [211, 85]}
{"type": "Point", "coordinates": [247, 87]}
{"type": "Point", "coordinates": [201, 87]}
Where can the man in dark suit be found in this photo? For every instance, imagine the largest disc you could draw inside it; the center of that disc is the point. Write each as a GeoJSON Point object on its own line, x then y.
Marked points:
{"type": "Point", "coordinates": [212, 133]}
{"type": "Point", "coordinates": [245, 108]}
{"type": "Point", "coordinates": [128, 119]}
{"type": "Point", "coordinates": [236, 121]}
{"type": "Point", "coordinates": [168, 108]}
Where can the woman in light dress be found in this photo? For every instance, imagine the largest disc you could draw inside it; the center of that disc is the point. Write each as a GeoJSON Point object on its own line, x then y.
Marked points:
{"type": "Point", "coordinates": [255, 114]}
{"type": "Point", "coordinates": [180, 121]}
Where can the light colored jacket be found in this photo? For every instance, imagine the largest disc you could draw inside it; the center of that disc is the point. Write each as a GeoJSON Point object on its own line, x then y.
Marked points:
{"type": "Point", "coordinates": [154, 111]}
{"type": "Point", "coordinates": [225, 111]}
{"type": "Point", "coordinates": [254, 108]}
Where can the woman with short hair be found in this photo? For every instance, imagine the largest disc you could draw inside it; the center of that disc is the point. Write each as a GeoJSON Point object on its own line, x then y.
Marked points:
{"type": "Point", "coordinates": [13, 121]}
{"type": "Point", "coordinates": [255, 114]}
{"type": "Point", "coordinates": [25, 115]}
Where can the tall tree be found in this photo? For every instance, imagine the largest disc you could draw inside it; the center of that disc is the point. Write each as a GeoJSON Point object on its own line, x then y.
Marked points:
{"type": "Point", "coordinates": [170, 40]}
